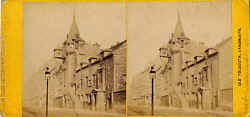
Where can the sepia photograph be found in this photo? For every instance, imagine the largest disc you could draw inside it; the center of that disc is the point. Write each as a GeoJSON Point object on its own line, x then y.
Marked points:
{"type": "Point", "coordinates": [74, 59]}
{"type": "Point", "coordinates": [180, 59]}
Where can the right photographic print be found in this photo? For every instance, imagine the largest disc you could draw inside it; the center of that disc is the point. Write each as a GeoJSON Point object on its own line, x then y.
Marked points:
{"type": "Point", "coordinates": [180, 59]}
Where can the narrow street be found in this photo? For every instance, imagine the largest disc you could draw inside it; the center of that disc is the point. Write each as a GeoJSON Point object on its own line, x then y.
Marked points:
{"type": "Point", "coordinates": [163, 111]}
{"type": "Point", "coordinates": [34, 112]}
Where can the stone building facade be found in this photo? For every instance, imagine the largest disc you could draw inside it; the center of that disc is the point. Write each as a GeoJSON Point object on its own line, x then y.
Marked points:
{"type": "Point", "coordinates": [84, 76]}
{"type": "Point", "coordinates": [189, 75]}
{"type": "Point", "coordinates": [104, 79]}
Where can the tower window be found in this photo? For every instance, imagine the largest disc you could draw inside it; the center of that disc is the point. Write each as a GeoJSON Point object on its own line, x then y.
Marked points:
{"type": "Point", "coordinates": [77, 35]}
{"type": "Point", "coordinates": [182, 43]}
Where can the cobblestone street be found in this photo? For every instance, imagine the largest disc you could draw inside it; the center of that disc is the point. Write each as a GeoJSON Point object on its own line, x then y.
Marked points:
{"type": "Point", "coordinates": [34, 112]}
{"type": "Point", "coordinates": [164, 111]}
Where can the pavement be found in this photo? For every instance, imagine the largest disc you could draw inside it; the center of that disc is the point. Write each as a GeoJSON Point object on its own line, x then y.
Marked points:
{"type": "Point", "coordinates": [59, 112]}
{"type": "Point", "coordinates": [132, 111]}
{"type": "Point", "coordinates": [165, 111]}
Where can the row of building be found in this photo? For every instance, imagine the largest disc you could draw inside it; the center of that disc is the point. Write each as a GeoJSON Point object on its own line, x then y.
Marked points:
{"type": "Point", "coordinates": [87, 77]}
{"type": "Point", "coordinates": [189, 75]}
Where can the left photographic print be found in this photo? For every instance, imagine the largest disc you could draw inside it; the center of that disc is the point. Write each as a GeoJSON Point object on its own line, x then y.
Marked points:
{"type": "Point", "coordinates": [74, 59]}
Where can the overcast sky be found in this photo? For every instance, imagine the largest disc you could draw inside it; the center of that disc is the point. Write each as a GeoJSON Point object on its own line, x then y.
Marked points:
{"type": "Point", "coordinates": [150, 25]}
{"type": "Point", "coordinates": [45, 26]}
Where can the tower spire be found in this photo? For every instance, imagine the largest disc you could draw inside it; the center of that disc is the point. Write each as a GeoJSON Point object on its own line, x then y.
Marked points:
{"type": "Point", "coordinates": [74, 31]}
{"type": "Point", "coordinates": [179, 31]}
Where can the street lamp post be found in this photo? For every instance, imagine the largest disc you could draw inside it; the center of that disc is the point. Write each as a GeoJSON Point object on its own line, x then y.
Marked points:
{"type": "Point", "coordinates": [153, 75]}
{"type": "Point", "coordinates": [47, 74]}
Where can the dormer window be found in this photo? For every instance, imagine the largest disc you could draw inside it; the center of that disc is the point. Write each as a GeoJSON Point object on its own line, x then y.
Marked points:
{"type": "Point", "coordinates": [197, 58]}
{"type": "Point", "coordinates": [187, 63]}
{"type": "Point", "coordinates": [210, 51]}
{"type": "Point", "coordinates": [91, 59]}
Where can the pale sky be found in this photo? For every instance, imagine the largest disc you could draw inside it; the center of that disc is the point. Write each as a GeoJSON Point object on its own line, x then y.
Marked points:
{"type": "Point", "coordinates": [150, 25]}
{"type": "Point", "coordinates": [45, 26]}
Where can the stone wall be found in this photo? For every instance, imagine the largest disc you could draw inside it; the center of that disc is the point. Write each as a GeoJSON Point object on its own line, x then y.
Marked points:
{"type": "Point", "coordinates": [225, 74]}
{"type": "Point", "coordinates": [120, 72]}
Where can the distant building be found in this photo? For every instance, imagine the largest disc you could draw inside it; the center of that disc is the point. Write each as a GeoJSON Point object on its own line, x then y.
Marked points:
{"type": "Point", "coordinates": [86, 77]}
{"type": "Point", "coordinates": [190, 75]}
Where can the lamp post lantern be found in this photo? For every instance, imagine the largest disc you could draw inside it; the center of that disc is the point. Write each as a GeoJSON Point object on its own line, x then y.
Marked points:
{"type": "Point", "coordinates": [153, 76]}
{"type": "Point", "coordinates": [47, 75]}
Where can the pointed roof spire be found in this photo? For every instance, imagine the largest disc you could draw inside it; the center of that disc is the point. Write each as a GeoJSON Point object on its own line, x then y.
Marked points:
{"type": "Point", "coordinates": [74, 31]}
{"type": "Point", "coordinates": [179, 31]}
